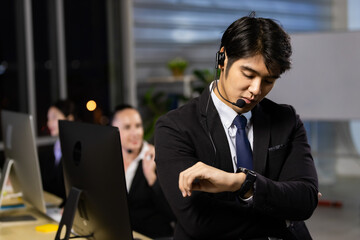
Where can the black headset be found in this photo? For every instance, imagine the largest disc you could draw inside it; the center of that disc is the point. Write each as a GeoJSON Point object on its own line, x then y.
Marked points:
{"type": "Point", "coordinates": [220, 58]}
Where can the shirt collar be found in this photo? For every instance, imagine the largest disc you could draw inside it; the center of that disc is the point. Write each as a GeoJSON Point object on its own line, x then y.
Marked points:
{"type": "Point", "coordinates": [141, 155]}
{"type": "Point", "coordinates": [226, 113]}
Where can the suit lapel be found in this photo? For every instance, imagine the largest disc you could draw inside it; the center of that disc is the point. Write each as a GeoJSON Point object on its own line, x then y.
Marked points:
{"type": "Point", "coordinates": [261, 127]}
{"type": "Point", "coordinates": [212, 125]}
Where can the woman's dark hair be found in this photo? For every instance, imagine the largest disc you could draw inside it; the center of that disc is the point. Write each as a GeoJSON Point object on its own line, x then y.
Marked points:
{"type": "Point", "coordinates": [249, 36]}
{"type": "Point", "coordinates": [67, 107]}
{"type": "Point", "coordinates": [119, 108]}
{"type": "Point", "coordinates": [123, 106]}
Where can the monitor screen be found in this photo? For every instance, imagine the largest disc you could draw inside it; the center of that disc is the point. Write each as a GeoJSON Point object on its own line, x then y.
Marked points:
{"type": "Point", "coordinates": [92, 161]}
{"type": "Point", "coordinates": [21, 164]}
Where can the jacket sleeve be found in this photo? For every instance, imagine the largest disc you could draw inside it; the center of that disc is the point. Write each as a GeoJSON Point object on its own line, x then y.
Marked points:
{"type": "Point", "coordinates": [161, 202]}
{"type": "Point", "coordinates": [293, 193]}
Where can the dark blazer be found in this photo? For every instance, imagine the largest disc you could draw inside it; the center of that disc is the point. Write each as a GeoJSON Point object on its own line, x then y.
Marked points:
{"type": "Point", "coordinates": [150, 213]}
{"type": "Point", "coordinates": [52, 176]}
{"type": "Point", "coordinates": [286, 187]}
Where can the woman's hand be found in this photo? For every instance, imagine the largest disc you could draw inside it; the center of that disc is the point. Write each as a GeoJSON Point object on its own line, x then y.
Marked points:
{"type": "Point", "coordinates": [202, 177]}
{"type": "Point", "coordinates": [148, 165]}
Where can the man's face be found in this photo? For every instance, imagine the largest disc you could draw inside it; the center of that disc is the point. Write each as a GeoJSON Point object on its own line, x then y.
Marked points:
{"type": "Point", "coordinates": [248, 79]}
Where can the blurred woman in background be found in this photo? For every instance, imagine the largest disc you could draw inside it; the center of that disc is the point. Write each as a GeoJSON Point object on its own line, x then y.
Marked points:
{"type": "Point", "coordinates": [50, 164]}
{"type": "Point", "coordinates": [150, 213]}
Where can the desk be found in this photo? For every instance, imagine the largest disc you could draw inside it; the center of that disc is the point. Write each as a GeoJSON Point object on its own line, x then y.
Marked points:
{"type": "Point", "coordinates": [26, 229]}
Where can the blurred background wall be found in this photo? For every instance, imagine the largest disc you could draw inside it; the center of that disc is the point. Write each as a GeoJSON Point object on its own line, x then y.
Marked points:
{"type": "Point", "coordinates": [118, 51]}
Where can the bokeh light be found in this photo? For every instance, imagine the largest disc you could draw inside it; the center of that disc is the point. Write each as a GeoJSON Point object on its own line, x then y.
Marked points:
{"type": "Point", "coordinates": [91, 105]}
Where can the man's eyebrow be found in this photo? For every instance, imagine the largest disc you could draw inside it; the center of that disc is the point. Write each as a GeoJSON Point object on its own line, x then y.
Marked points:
{"type": "Point", "coordinates": [246, 68]}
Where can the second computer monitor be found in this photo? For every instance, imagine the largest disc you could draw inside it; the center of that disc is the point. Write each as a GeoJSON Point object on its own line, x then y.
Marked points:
{"type": "Point", "coordinates": [21, 163]}
{"type": "Point", "coordinates": [93, 163]}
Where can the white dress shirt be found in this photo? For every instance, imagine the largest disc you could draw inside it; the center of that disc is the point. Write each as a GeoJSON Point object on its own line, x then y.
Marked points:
{"type": "Point", "coordinates": [227, 116]}
{"type": "Point", "coordinates": [131, 170]}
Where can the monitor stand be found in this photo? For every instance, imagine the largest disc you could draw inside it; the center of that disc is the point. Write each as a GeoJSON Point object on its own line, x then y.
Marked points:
{"type": "Point", "coordinates": [67, 218]}
{"type": "Point", "coordinates": [3, 179]}
{"type": "Point", "coordinates": [5, 176]}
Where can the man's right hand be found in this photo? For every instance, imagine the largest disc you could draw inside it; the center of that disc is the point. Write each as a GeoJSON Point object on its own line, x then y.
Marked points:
{"type": "Point", "coordinates": [202, 177]}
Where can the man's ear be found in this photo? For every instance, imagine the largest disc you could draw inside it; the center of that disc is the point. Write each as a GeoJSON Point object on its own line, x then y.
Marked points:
{"type": "Point", "coordinates": [224, 60]}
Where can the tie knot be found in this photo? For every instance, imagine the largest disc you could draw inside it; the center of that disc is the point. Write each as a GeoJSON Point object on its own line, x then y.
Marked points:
{"type": "Point", "coordinates": [240, 122]}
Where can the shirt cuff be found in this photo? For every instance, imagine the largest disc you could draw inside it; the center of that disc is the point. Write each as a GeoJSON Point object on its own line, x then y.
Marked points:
{"type": "Point", "coordinates": [248, 200]}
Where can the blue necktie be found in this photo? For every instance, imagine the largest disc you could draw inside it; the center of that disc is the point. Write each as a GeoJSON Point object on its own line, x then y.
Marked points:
{"type": "Point", "coordinates": [243, 149]}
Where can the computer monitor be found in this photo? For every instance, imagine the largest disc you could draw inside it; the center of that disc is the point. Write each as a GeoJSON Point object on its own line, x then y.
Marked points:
{"type": "Point", "coordinates": [93, 163]}
{"type": "Point", "coordinates": [21, 164]}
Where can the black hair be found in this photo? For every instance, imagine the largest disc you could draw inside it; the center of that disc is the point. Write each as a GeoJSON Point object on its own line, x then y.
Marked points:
{"type": "Point", "coordinates": [123, 106]}
{"type": "Point", "coordinates": [119, 108]}
{"type": "Point", "coordinates": [249, 36]}
{"type": "Point", "coordinates": [67, 107]}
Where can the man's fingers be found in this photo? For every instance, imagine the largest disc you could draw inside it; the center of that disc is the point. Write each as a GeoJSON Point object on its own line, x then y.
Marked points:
{"type": "Point", "coordinates": [188, 180]}
{"type": "Point", "coordinates": [183, 185]}
{"type": "Point", "coordinates": [188, 177]}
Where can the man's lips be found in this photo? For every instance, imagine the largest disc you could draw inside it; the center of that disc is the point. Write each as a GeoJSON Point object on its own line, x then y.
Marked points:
{"type": "Point", "coordinates": [248, 101]}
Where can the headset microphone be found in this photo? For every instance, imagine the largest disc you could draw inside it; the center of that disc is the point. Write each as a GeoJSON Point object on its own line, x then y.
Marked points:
{"type": "Point", "coordinates": [220, 59]}
{"type": "Point", "coordinates": [129, 151]}
{"type": "Point", "coordinates": [240, 103]}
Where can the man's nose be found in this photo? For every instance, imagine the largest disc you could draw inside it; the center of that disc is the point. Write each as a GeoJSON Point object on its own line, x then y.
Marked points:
{"type": "Point", "coordinates": [255, 86]}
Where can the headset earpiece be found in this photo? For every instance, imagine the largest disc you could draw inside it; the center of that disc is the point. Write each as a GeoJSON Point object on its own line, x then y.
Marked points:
{"type": "Point", "coordinates": [220, 58]}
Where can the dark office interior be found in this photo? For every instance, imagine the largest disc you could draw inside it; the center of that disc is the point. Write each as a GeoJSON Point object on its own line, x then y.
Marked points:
{"type": "Point", "coordinates": [118, 51]}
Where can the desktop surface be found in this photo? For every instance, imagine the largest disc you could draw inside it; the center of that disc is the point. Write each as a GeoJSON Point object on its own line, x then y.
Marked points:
{"type": "Point", "coordinates": [24, 229]}
{"type": "Point", "coordinates": [27, 229]}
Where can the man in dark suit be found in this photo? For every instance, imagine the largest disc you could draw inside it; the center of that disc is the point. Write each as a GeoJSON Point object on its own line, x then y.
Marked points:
{"type": "Point", "coordinates": [197, 149]}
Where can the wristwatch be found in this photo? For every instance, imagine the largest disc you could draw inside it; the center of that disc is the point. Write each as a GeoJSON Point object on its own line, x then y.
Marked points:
{"type": "Point", "coordinates": [248, 183]}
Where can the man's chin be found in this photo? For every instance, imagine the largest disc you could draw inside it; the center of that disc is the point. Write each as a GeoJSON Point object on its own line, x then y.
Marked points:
{"type": "Point", "coordinates": [247, 108]}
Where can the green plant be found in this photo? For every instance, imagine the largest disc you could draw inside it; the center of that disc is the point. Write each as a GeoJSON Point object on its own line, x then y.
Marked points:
{"type": "Point", "coordinates": [177, 66]}
{"type": "Point", "coordinates": [204, 77]}
{"type": "Point", "coordinates": [156, 104]}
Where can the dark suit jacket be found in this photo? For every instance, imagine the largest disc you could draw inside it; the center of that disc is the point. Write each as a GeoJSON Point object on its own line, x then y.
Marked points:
{"type": "Point", "coordinates": [150, 213]}
{"type": "Point", "coordinates": [286, 187]}
{"type": "Point", "coordinates": [52, 176]}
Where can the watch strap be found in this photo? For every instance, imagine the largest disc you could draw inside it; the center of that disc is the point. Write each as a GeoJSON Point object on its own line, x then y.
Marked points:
{"type": "Point", "coordinates": [248, 183]}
